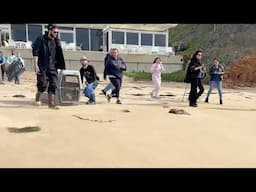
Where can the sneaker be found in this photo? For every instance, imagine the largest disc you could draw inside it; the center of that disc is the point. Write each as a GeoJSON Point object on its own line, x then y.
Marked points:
{"type": "Point", "coordinates": [38, 103]}
{"type": "Point", "coordinates": [118, 101]}
{"type": "Point", "coordinates": [90, 102]}
{"type": "Point", "coordinates": [108, 97]}
{"type": "Point", "coordinates": [104, 93]}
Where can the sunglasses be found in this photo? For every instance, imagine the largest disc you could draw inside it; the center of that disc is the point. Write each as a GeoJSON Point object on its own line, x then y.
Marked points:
{"type": "Point", "coordinates": [55, 31]}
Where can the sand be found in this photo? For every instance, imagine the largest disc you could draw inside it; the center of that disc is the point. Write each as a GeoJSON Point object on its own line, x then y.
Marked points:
{"type": "Point", "coordinates": [140, 133]}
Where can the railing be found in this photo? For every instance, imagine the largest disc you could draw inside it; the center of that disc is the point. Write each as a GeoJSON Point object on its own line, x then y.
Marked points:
{"type": "Point", "coordinates": [151, 50]}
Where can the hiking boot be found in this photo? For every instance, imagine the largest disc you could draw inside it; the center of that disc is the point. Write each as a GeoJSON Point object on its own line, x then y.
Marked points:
{"type": "Point", "coordinates": [118, 101]}
{"type": "Point", "coordinates": [51, 102]}
{"type": "Point", "coordinates": [206, 100]}
{"type": "Point", "coordinates": [52, 106]}
{"type": "Point", "coordinates": [37, 99]}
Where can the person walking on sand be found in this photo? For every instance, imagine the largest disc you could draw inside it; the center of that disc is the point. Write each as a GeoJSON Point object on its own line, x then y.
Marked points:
{"type": "Point", "coordinates": [48, 57]}
{"type": "Point", "coordinates": [109, 86]}
{"type": "Point", "coordinates": [195, 73]}
{"type": "Point", "coordinates": [216, 72]}
{"type": "Point", "coordinates": [114, 68]}
{"type": "Point", "coordinates": [156, 69]}
{"type": "Point", "coordinates": [88, 72]}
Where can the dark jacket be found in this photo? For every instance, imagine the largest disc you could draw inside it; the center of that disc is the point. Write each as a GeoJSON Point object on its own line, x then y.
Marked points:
{"type": "Point", "coordinates": [108, 56]}
{"type": "Point", "coordinates": [115, 67]}
{"type": "Point", "coordinates": [216, 77]}
{"type": "Point", "coordinates": [89, 74]}
{"type": "Point", "coordinates": [40, 49]}
{"type": "Point", "coordinates": [191, 73]}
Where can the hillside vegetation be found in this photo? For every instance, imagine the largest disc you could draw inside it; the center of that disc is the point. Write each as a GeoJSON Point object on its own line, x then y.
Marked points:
{"type": "Point", "coordinates": [233, 44]}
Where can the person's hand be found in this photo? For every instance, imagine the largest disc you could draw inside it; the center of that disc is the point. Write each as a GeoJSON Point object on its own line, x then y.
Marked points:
{"type": "Point", "coordinates": [37, 70]}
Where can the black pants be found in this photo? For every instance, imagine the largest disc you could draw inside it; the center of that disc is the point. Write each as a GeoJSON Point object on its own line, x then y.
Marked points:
{"type": "Point", "coordinates": [3, 71]}
{"type": "Point", "coordinates": [113, 93]}
{"type": "Point", "coordinates": [194, 95]}
{"type": "Point", "coordinates": [117, 83]}
{"type": "Point", "coordinates": [47, 79]}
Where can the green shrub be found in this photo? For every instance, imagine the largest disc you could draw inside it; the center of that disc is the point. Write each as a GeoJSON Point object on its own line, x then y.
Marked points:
{"type": "Point", "coordinates": [177, 76]}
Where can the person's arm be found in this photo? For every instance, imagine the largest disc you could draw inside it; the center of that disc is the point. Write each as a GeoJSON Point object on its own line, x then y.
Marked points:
{"type": "Point", "coordinates": [123, 65]}
{"type": "Point", "coordinates": [9, 60]}
{"type": "Point", "coordinates": [152, 68]}
{"type": "Point", "coordinates": [162, 67]}
{"type": "Point", "coordinates": [105, 72]}
{"type": "Point", "coordinates": [94, 73]}
{"type": "Point", "coordinates": [35, 52]}
{"type": "Point", "coordinates": [82, 75]}
{"type": "Point", "coordinates": [221, 71]}
{"type": "Point", "coordinates": [36, 68]}
{"type": "Point", "coordinates": [198, 68]}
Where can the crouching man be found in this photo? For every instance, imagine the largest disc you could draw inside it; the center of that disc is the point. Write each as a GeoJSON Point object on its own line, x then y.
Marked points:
{"type": "Point", "coordinates": [92, 80]}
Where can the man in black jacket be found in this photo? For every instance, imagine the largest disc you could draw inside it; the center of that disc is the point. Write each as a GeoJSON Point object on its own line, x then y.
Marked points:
{"type": "Point", "coordinates": [48, 57]}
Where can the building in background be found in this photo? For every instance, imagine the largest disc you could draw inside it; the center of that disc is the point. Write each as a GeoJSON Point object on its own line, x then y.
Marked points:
{"type": "Point", "coordinates": [128, 38]}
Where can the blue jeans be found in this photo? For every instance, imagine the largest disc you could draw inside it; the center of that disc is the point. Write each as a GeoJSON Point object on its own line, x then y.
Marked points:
{"type": "Point", "coordinates": [108, 87]}
{"type": "Point", "coordinates": [219, 86]}
{"type": "Point", "coordinates": [89, 90]}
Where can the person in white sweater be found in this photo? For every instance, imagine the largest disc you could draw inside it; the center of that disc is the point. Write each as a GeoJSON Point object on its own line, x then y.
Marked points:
{"type": "Point", "coordinates": [156, 70]}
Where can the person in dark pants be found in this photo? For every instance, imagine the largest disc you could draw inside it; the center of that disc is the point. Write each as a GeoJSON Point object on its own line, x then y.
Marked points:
{"type": "Point", "coordinates": [2, 64]}
{"type": "Point", "coordinates": [109, 86]}
{"type": "Point", "coordinates": [114, 68]}
{"type": "Point", "coordinates": [48, 57]}
{"type": "Point", "coordinates": [196, 72]}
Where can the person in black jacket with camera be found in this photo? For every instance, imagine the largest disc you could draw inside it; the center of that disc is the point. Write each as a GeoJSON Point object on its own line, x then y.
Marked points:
{"type": "Point", "coordinates": [195, 72]}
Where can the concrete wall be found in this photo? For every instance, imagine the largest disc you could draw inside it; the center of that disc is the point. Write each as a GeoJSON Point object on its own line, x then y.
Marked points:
{"type": "Point", "coordinates": [135, 62]}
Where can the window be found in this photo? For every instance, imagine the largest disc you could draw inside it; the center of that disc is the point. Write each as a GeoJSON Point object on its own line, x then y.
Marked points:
{"type": "Point", "coordinates": [34, 31]}
{"type": "Point", "coordinates": [132, 38]}
{"type": "Point", "coordinates": [82, 38]}
{"type": "Point", "coordinates": [96, 39]}
{"type": "Point", "coordinates": [146, 39]}
{"type": "Point", "coordinates": [66, 36]}
{"type": "Point", "coordinates": [117, 37]}
{"type": "Point", "coordinates": [18, 32]}
{"type": "Point", "coordinates": [160, 40]}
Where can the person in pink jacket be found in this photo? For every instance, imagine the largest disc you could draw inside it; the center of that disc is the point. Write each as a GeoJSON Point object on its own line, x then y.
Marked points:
{"type": "Point", "coordinates": [156, 70]}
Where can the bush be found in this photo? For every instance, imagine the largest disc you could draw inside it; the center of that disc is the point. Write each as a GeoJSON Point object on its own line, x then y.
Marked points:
{"type": "Point", "coordinates": [177, 76]}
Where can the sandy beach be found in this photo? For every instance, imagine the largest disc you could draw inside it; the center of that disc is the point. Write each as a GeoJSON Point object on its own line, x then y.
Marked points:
{"type": "Point", "coordinates": [140, 133]}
